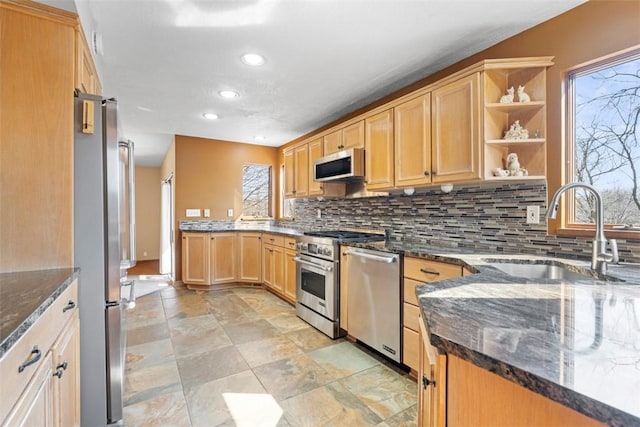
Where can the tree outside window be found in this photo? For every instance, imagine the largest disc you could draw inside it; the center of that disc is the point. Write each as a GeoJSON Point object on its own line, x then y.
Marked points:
{"type": "Point", "coordinates": [256, 191]}
{"type": "Point", "coordinates": [605, 143]}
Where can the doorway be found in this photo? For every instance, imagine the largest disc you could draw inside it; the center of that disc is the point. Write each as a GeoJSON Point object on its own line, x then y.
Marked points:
{"type": "Point", "coordinates": [167, 261]}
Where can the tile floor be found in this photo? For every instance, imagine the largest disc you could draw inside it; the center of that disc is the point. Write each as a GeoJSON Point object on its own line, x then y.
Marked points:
{"type": "Point", "coordinates": [241, 357]}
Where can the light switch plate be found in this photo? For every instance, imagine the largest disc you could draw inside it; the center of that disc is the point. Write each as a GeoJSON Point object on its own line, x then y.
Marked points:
{"type": "Point", "coordinates": [533, 214]}
{"type": "Point", "coordinates": [229, 212]}
{"type": "Point", "coordinates": [193, 213]}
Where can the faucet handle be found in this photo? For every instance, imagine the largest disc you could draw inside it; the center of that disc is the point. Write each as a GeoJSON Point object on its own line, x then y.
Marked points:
{"type": "Point", "coordinates": [613, 244]}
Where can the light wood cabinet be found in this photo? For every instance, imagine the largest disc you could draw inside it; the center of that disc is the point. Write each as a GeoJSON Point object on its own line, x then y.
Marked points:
{"type": "Point", "coordinates": [455, 109]}
{"type": "Point", "coordinates": [250, 257]}
{"type": "Point", "coordinates": [296, 171]}
{"type": "Point", "coordinates": [195, 258]}
{"type": "Point", "coordinates": [432, 383]}
{"type": "Point", "coordinates": [290, 275]}
{"type": "Point", "coordinates": [273, 262]}
{"type": "Point", "coordinates": [412, 124]}
{"type": "Point", "coordinates": [531, 115]}
{"type": "Point", "coordinates": [87, 79]}
{"type": "Point", "coordinates": [315, 152]}
{"type": "Point", "coordinates": [40, 372]}
{"type": "Point", "coordinates": [37, 57]}
{"type": "Point", "coordinates": [222, 258]}
{"type": "Point", "coordinates": [379, 158]}
{"type": "Point", "coordinates": [351, 136]}
{"type": "Point", "coordinates": [418, 271]}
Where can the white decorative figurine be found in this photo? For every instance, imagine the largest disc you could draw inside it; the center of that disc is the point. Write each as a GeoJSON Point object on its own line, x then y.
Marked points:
{"type": "Point", "coordinates": [513, 166]}
{"type": "Point", "coordinates": [522, 95]}
{"type": "Point", "coordinates": [500, 172]}
{"type": "Point", "coordinates": [508, 98]}
{"type": "Point", "coordinates": [516, 132]}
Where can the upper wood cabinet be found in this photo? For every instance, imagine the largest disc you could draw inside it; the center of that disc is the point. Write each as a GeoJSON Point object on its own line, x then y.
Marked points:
{"type": "Point", "coordinates": [315, 152]}
{"type": "Point", "coordinates": [351, 136]}
{"type": "Point", "coordinates": [455, 110]}
{"type": "Point", "coordinates": [87, 79]}
{"type": "Point", "coordinates": [413, 142]}
{"type": "Point", "coordinates": [379, 159]}
{"type": "Point", "coordinates": [296, 171]}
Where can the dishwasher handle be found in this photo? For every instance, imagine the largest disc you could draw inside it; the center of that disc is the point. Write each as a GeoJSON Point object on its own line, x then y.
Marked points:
{"type": "Point", "coordinates": [388, 259]}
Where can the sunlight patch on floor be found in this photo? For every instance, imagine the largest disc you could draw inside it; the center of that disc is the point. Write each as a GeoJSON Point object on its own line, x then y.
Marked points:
{"type": "Point", "coordinates": [253, 409]}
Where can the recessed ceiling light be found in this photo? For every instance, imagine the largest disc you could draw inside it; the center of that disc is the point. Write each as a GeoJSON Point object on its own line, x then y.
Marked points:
{"type": "Point", "coordinates": [259, 138]}
{"type": "Point", "coordinates": [252, 59]}
{"type": "Point", "coordinates": [210, 116]}
{"type": "Point", "coordinates": [228, 94]}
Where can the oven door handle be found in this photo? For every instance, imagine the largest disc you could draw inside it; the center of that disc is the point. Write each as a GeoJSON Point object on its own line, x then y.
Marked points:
{"type": "Point", "coordinates": [388, 259]}
{"type": "Point", "coordinates": [312, 264]}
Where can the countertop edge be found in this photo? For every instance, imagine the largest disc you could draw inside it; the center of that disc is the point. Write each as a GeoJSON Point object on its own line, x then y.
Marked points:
{"type": "Point", "coordinates": [18, 332]}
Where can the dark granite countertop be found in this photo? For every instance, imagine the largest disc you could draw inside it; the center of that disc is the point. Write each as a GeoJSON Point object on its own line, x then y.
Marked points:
{"type": "Point", "coordinates": [222, 226]}
{"type": "Point", "coordinates": [24, 296]}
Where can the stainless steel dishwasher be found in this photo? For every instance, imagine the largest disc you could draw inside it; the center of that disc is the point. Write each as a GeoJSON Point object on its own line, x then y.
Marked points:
{"type": "Point", "coordinates": [373, 299]}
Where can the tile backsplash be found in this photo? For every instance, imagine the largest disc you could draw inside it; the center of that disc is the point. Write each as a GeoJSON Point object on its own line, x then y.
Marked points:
{"type": "Point", "coordinates": [487, 217]}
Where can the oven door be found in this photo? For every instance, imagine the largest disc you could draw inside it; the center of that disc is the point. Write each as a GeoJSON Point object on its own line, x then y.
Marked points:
{"type": "Point", "coordinates": [316, 285]}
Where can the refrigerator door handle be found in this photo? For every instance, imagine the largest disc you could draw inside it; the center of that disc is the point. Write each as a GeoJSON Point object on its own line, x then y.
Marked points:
{"type": "Point", "coordinates": [131, 301]}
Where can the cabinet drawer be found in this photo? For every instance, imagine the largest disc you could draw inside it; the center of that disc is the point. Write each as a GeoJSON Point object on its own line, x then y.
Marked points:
{"type": "Point", "coordinates": [410, 290]}
{"type": "Point", "coordinates": [290, 243]}
{"type": "Point", "coordinates": [430, 271]}
{"type": "Point", "coordinates": [273, 239]}
{"type": "Point", "coordinates": [411, 317]}
{"type": "Point", "coordinates": [41, 334]}
{"type": "Point", "coordinates": [410, 348]}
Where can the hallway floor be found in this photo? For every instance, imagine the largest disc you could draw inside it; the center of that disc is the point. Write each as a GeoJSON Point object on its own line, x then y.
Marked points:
{"type": "Point", "coordinates": [241, 357]}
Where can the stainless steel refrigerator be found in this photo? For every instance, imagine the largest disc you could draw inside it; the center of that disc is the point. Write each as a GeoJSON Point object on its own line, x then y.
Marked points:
{"type": "Point", "coordinates": [104, 247]}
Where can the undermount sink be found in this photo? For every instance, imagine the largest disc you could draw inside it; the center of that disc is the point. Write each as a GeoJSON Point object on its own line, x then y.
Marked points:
{"type": "Point", "coordinates": [540, 270]}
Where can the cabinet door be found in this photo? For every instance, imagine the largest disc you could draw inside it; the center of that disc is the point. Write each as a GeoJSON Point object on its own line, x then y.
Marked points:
{"type": "Point", "coordinates": [66, 375]}
{"type": "Point", "coordinates": [289, 174]}
{"type": "Point", "coordinates": [195, 258]}
{"type": "Point", "coordinates": [267, 265]}
{"type": "Point", "coordinates": [456, 130]}
{"type": "Point", "coordinates": [315, 152]}
{"type": "Point", "coordinates": [222, 261]}
{"type": "Point", "coordinates": [290, 276]}
{"type": "Point", "coordinates": [432, 383]}
{"type": "Point", "coordinates": [412, 125]}
{"type": "Point", "coordinates": [250, 260]}
{"type": "Point", "coordinates": [332, 142]}
{"type": "Point", "coordinates": [301, 160]}
{"type": "Point", "coordinates": [278, 269]}
{"type": "Point", "coordinates": [353, 135]}
{"type": "Point", "coordinates": [344, 291]}
{"type": "Point", "coordinates": [35, 406]}
{"type": "Point", "coordinates": [379, 151]}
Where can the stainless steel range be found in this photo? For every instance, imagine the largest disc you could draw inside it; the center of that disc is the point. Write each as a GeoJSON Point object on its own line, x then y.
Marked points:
{"type": "Point", "coordinates": [318, 276]}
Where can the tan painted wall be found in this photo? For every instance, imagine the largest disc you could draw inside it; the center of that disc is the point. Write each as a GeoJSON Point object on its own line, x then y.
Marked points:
{"type": "Point", "coordinates": [589, 31]}
{"type": "Point", "coordinates": [147, 213]}
{"type": "Point", "coordinates": [208, 175]}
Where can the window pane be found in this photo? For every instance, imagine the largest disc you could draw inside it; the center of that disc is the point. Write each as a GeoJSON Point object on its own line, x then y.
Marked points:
{"type": "Point", "coordinates": [256, 191]}
{"type": "Point", "coordinates": [606, 151]}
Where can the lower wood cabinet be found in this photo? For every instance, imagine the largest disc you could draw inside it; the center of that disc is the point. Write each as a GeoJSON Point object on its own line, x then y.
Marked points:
{"type": "Point", "coordinates": [456, 393]}
{"type": "Point", "coordinates": [418, 271]}
{"type": "Point", "coordinates": [41, 372]}
{"type": "Point", "coordinates": [290, 275]}
{"type": "Point", "coordinates": [218, 258]}
{"type": "Point", "coordinates": [278, 265]}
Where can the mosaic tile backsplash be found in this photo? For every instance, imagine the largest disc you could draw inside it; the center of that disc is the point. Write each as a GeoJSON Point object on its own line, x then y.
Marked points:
{"type": "Point", "coordinates": [487, 217]}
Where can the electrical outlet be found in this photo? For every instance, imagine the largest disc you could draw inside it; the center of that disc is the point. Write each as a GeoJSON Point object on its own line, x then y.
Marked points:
{"type": "Point", "coordinates": [193, 213]}
{"type": "Point", "coordinates": [144, 253]}
{"type": "Point", "coordinates": [319, 213]}
{"type": "Point", "coordinates": [533, 214]}
{"type": "Point", "coordinates": [229, 212]}
{"type": "Point", "coordinates": [207, 213]}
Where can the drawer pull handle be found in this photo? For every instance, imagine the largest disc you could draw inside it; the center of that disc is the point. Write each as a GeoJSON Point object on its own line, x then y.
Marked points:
{"type": "Point", "coordinates": [35, 356]}
{"type": "Point", "coordinates": [425, 271]}
{"type": "Point", "coordinates": [63, 365]}
{"type": "Point", "coordinates": [70, 306]}
{"type": "Point", "coordinates": [58, 373]}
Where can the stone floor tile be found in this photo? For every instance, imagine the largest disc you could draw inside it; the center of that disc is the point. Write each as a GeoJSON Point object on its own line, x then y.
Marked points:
{"type": "Point", "coordinates": [147, 333]}
{"type": "Point", "coordinates": [309, 339]}
{"type": "Point", "coordinates": [287, 322]}
{"type": "Point", "coordinates": [149, 354]}
{"type": "Point", "coordinates": [167, 409]}
{"type": "Point", "coordinates": [241, 333]}
{"type": "Point", "coordinates": [186, 306]}
{"type": "Point", "coordinates": [211, 365]}
{"type": "Point", "coordinates": [269, 350]}
{"type": "Point", "coordinates": [406, 418]}
{"type": "Point", "coordinates": [344, 359]}
{"type": "Point", "coordinates": [150, 381]}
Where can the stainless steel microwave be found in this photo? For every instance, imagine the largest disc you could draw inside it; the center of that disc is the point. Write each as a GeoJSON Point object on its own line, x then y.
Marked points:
{"type": "Point", "coordinates": [347, 165]}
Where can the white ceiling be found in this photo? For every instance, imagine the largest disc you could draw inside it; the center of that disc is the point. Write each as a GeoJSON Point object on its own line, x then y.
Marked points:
{"type": "Point", "coordinates": [166, 60]}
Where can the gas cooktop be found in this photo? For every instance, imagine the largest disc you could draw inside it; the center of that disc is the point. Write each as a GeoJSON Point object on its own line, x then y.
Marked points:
{"type": "Point", "coordinates": [345, 235]}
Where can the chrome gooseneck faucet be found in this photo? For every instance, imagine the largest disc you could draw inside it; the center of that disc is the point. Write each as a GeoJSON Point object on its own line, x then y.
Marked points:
{"type": "Point", "coordinates": [600, 257]}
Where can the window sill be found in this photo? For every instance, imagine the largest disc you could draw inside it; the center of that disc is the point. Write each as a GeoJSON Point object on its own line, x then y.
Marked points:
{"type": "Point", "coordinates": [609, 233]}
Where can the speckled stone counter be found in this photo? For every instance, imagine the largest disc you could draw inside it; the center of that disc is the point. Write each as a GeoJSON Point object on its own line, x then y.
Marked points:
{"type": "Point", "coordinates": [226, 226]}
{"type": "Point", "coordinates": [24, 296]}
